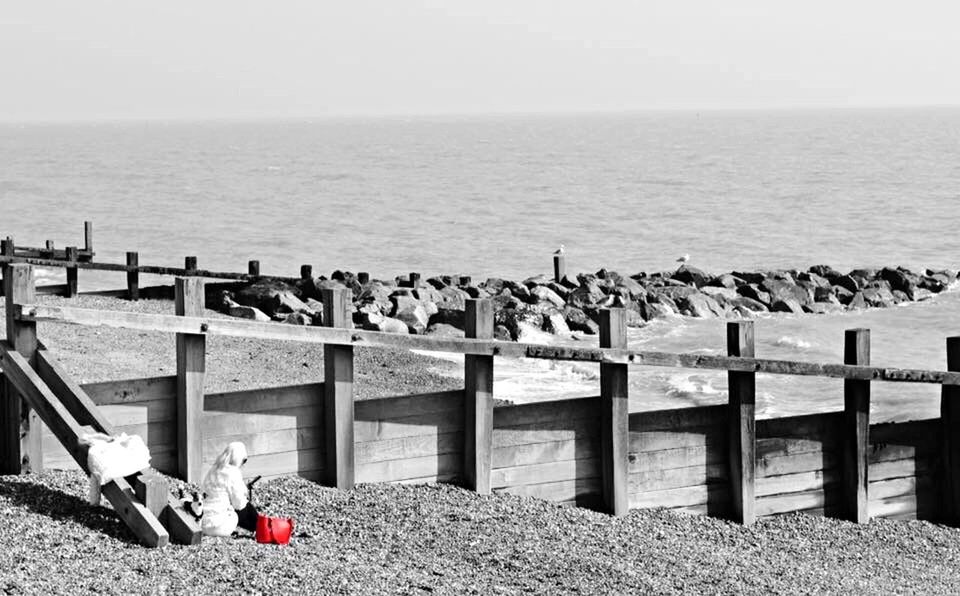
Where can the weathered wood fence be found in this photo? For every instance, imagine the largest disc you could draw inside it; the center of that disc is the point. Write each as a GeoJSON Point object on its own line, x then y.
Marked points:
{"type": "Point", "coordinates": [591, 451]}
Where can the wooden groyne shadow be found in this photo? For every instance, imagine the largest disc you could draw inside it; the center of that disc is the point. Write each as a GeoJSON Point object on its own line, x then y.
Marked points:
{"type": "Point", "coordinates": [905, 464]}
{"type": "Point", "coordinates": [679, 461]}
{"type": "Point", "coordinates": [549, 450]}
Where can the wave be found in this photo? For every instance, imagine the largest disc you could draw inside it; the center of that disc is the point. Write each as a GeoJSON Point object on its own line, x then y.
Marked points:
{"type": "Point", "coordinates": [788, 341]}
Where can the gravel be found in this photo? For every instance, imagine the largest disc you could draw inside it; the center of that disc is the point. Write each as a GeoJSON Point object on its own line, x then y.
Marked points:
{"type": "Point", "coordinates": [399, 539]}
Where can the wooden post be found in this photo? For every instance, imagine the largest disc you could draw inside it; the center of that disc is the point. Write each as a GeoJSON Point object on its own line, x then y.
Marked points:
{"type": "Point", "coordinates": [153, 490]}
{"type": "Point", "coordinates": [191, 369]}
{"type": "Point", "coordinates": [20, 447]}
{"type": "Point", "coordinates": [7, 249]}
{"type": "Point", "coordinates": [615, 414]}
{"type": "Point", "coordinates": [48, 250]}
{"type": "Point", "coordinates": [465, 280]}
{"type": "Point", "coordinates": [856, 429]}
{"type": "Point", "coordinates": [306, 271]}
{"type": "Point", "coordinates": [950, 437]}
{"type": "Point", "coordinates": [88, 236]}
{"type": "Point", "coordinates": [478, 400]}
{"type": "Point", "coordinates": [338, 391]}
{"type": "Point", "coordinates": [363, 277]}
{"type": "Point", "coordinates": [559, 267]}
{"type": "Point", "coordinates": [414, 280]}
{"type": "Point", "coordinates": [253, 268]}
{"type": "Point", "coordinates": [72, 254]}
{"type": "Point", "coordinates": [133, 276]}
{"type": "Point", "coordinates": [742, 424]}
{"type": "Point", "coordinates": [190, 263]}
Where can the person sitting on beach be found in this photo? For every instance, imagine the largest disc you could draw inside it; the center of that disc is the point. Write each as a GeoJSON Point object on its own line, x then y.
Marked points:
{"type": "Point", "coordinates": [226, 498]}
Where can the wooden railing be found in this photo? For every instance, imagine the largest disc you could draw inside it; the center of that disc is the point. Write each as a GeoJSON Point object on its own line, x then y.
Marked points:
{"type": "Point", "coordinates": [625, 439]}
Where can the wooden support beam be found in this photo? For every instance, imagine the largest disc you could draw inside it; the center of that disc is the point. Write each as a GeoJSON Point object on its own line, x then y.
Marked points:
{"type": "Point", "coordinates": [20, 445]}
{"type": "Point", "coordinates": [70, 394]}
{"type": "Point", "coordinates": [742, 424]}
{"type": "Point", "coordinates": [191, 370]}
{"type": "Point", "coordinates": [306, 271]}
{"type": "Point", "coordinates": [950, 438]}
{"type": "Point", "coordinates": [49, 250]}
{"type": "Point", "coordinates": [363, 277]}
{"type": "Point", "coordinates": [856, 429]}
{"type": "Point", "coordinates": [88, 236]}
{"type": "Point", "coordinates": [559, 267]}
{"type": "Point", "coordinates": [338, 391]}
{"type": "Point", "coordinates": [133, 276]}
{"type": "Point", "coordinates": [253, 268]}
{"type": "Point", "coordinates": [478, 400]}
{"type": "Point", "coordinates": [614, 414]}
{"type": "Point", "coordinates": [465, 280]}
{"type": "Point", "coordinates": [73, 254]}
{"type": "Point", "coordinates": [414, 280]}
{"type": "Point", "coordinates": [190, 263]}
{"type": "Point", "coordinates": [152, 489]}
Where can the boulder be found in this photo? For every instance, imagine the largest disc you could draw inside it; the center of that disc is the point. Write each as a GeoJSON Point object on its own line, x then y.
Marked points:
{"type": "Point", "coordinates": [656, 310]}
{"type": "Point", "coordinates": [786, 305]}
{"type": "Point", "coordinates": [700, 305]}
{"type": "Point", "coordinates": [750, 277]}
{"type": "Point", "coordinates": [900, 279]}
{"type": "Point", "coordinates": [427, 294]}
{"type": "Point", "coordinates": [556, 324]}
{"type": "Point", "coordinates": [863, 276]}
{"type": "Point", "coordinates": [727, 280]}
{"type": "Point", "coordinates": [848, 282]}
{"type": "Point", "coordinates": [501, 333]}
{"type": "Point", "coordinates": [298, 318]}
{"type": "Point", "coordinates": [375, 322]}
{"type": "Point", "coordinates": [692, 276]}
{"type": "Point", "coordinates": [286, 303]}
{"type": "Point", "coordinates": [634, 289]}
{"type": "Point", "coordinates": [784, 291]}
{"type": "Point", "coordinates": [720, 293]}
{"type": "Point", "coordinates": [448, 315]}
{"type": "Point", "coordinates": [248, 312]}
{"type": "Point", "coordinates": [825, 271]}
{"type": "Point", "coordinates": [857, 301]}
{"type": "Point", "coordinates": [545, 294]}
{"type": "Point", "coordinates": [744, 303]}
{"type": "Point", "coordinates": [879, 297]}
{"type": "Point", "coordinates": [577, 320]}
{"type": "Point", "coordinates": [453, 297]}
{"type": "Point", "coordinates": [675, 293]}
{"type": "Point", "coordinates": [818, 281]}
{"type": "Point", "coordinates": [560, 289]}
{"type": "Point", "coordinates": [843, 294]}
{"type": "Point", "coordinates": [444, 330]}
{"type": "Point", "coordinates": [753, 291]}
{"type": "Point", "coordinates": [586, 295]}
{"type": "Point", "coordinates": [824, 294]}
{"type": "Point", "coordinates": [520, 291]}
{"type": "Point", "coordinates": [519, 320]}
{"type": "Point", "coordinates": [262, 293]}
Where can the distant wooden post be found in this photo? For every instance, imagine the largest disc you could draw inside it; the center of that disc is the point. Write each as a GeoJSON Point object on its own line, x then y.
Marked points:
{"type": "Point", "coordinates": [7, 249]}
{"type": "Point", "coordinates": [414, 280]}
{"type": "Point", "coordinates": [363, 277]}
{"type": "Point", "coordinates": [338, 391]}
{"type": "Point", "coordinates": [88, 236]}
{"type": "Point", "coordinates": [559, 267]}
{"type": "Point", "coordinates": [190, 263]}
{"type": "Point", "coordinates": [742, 423]}
{"type": "Point", "coordinates": [306, 271]}
{"type": "Point", "coordinates": [478, 400]}
{"type": "Point", "coordinates": [465, 280]}
{"type": "Point", "coordinates": [72, 254]}
{"type": "Point", "coordinates": [133, 276]}
{"type": "Point", "coordinates": [20, 447]}
{"type": "Point", "coordinates": [614, 414]}
{"type": "Point", "coordinates": [253, 268]}
{"type": "Point", "coordinates": [950, 437]}
{"type": "Point", "coordinates": [856, 429]}
{"type": "Point", "coordinates": [191, 370]}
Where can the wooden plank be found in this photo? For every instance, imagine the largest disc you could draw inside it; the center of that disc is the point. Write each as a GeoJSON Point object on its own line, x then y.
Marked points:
{"type": "Point", "coordinates": [614, 414]}
{"type": "Point", "coordinates": [133, 276]}
{"type": "Point", "coordinates": [714, 453]}
{"type": "Point", "coordinates": [659, 440]}
{"type": "Point", "coordinates": [586, 429]}
{"type": "Point", "coordinates": [856, 429]}
{"type": "Point", "coordinates": [826, 427]}
{"type": "Point", "coordinates": [901, 468]}
{"type": "Point", "coordinates": [71, 395]}
{"type": "Point", "coordinates": [445, 464]}
{"type": "Point", "coordinates": [548, 412]}
{"type": "Point", "coordinates": [389, 408]}
{"type": "Point", "coordinates": [896, 487]}
{"type": "Point", "coordinates": [411, 426]}
{"type": "Point", "coordinates": [742, 424]}
{"type": "Point", "coordinates": [549, 472]}
{"type": "Point", "coordinates": [338, 417]}
{"type": "Point", "coordinates": [409, 447]}
{"type": "Point", "coordinates": [478, 400]}
{"type": "Point", "coordinates": [950, 438]}
{"type": "Point", "coordinates": [191, 372]}
{"type": "Point", "coordinates": [788, 446]}
{"type": "Point", "coordinates": [689, 496]}
{"type": "Point", "coordinates": [564, 491]}
{"type": "Point", "coordinates": [679, 419]}
{"type": "Point", "coordinates": [283, 463]}
{"type": "Point", "coordinates": [138, 518]}
{"type": "Point", "coordinates": [20, 446]}
{"type": "Point", "coordinates": [540, 453]}
{"type": "Point", "coordinates": [263, 442]}
{"type": "Point", "coordinates": [320, 335]}
{"type": "Point", "coordinates": [218, 424]}
{"type": "Point", "coordinates": [790, 502]}
{"type": "Point", "coordinates": [793, 464]}
{"type": "Point", "coordinates": [265, 399]}
{"type": "Point", "coordinates": [913, 432]}
{"type": "Point", "coordinates": [141, 413]}
{"type": "Point", "coordinates": [448, 478]}
{"type": "Point", "coordinates": [796, 483]}
{"type": "Point", "coordinates": [130, 391]}
{"type": "Point", "coordinates": [677, 477]}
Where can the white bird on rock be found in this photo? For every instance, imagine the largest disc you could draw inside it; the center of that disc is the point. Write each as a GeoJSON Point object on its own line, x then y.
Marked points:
{"type": "Point", "coordinates": [559, 251]}
{"type": "Point", "coordinates": [683, 259]}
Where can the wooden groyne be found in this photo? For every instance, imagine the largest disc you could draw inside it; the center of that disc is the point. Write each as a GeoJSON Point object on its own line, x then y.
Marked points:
{"type": "Point", "coordinates": [589, 451]}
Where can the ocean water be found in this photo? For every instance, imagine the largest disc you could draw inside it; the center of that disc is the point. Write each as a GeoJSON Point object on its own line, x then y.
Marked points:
{"type": "Point", "coordinates": [495, 195]}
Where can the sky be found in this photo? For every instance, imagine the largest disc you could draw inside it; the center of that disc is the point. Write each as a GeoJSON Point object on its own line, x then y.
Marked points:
{"type": "Point", "coordinates": [175, 59]}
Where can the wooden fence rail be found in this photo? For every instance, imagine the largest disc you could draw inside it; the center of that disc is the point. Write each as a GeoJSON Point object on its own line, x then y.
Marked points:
{"type": "Point", "coordinates": [718, 460]}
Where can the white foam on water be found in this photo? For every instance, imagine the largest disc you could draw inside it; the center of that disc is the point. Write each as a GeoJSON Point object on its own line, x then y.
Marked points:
{"type": "Point", "coordinates": [793, 342]}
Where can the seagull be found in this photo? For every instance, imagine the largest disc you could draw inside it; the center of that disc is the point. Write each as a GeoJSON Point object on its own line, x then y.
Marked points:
{"type": "Point", "coordinates": [683, 259]}
{"type": "Point", "coordinates": [559, 251]}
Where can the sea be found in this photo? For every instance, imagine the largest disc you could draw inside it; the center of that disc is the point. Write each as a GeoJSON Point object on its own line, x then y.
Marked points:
{"type": "Point", "coordinates": [495, 195]}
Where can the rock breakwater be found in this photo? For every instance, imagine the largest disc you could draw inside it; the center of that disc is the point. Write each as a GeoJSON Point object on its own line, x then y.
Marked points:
{"type": "Point", "coordinates": [571, 307]}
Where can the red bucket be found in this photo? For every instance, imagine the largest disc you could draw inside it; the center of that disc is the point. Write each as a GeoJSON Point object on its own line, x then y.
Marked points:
{"type": "Point", "coordinates": [274, 530]}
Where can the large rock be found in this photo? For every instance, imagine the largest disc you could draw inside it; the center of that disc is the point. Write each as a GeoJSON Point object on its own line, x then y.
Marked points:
{"type": "Point", "coordinates": [700, 305]}
{"type": "Point", "coordinates": [448, 315]}
{"type": "Point", "coordinates": [749, 304]}
{"type": "Point", "coordinates": [825, 271]}
{"type": "Point", "coordinates": [857, 301]}
{"type": "Point", "coordinates": [555, 323]}
{"type": "Point", "coordinates": [720, 293]}
{"type": "Point", "coordinates": [692, 276]}
{"type": "Point", "coordinates": [753, 291]}
{"type": "Point", "coordinates": [375, 322]}
{"type": "Point", "coordinates": [674, 293]}
{"type": "Point", "coordinates": [634, 289]}
{"type": "Point", "coordinates": [879, 297]}
{"type": "Point", "coordinates": [848, 282]}
{"type": "Point", "coordinates": [586, 295]}
{"type": "Point", "coordinates": [900, 279]}
{"type": "Point", "coordinates": [298, 318]}
{"type": "Point", "coordinates": [545, 294]}
{"type": "Point", "coordinates": [262, 294]}
{"type": "Point", "coordinates": [784, 291]}
{"type": "Point", "coordinates": [445, 331]}
{"type": "Point", "coordinates": [519, 321]}
{"type": "Point", "coordinates": [248, 312]}
{"type": "Point", "coordinates": [727, 280]}
{"type": "Point", "coordinates": [577, 320]}
{"type": "Point", "coordinates": [786, 305]}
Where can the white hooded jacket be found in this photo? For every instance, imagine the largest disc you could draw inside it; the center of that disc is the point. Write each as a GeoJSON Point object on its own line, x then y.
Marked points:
{"type": "Point", "coordinates": [224, 492]}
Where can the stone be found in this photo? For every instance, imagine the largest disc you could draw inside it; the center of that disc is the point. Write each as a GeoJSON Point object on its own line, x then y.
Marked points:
{"type": "Point", "coordinates": [720, 292]}
{"type": "Point", "coordinates": [753, 291]}
{"type": "Point", "coordinates": [493, 285]}
{"type": "Point", "coordinates": [818, 281]}
{"type": "Point", "coordinates": [327, 284]}
{"type": "Point", "coordinates": [286, 303]}
{"type": "Point", "coordinates": [520, 291]}
{"type": "Point", "coordinates": [932, 284]}
{"type": "Point", "coordinates": [786, 305]}
{"type": "Point", "coordinates": [427, 294]}
{"type": "Point", "coordinates": [863, 276]}
{"type": "Point", "coordinates": [900, 279]}
{"type": "Point", "coordinates": [501, 333]}
{"type": "Point", "coordinates": [445, 331]}
{"type": "Point", "coordinates": [675, 293]}
{"type": "Point", "coordinates": [634, 289]}
{"type": "Point", "coordinates": [545, 294]}
{"type": "Point", "coordinates": [879, 297]}
{"type": "Point", "coordinates": [560, 289]}
{"type": "Point", "coordinates": [824, 294]}
{"type": "Point", "coordinates": [248, 312]}
{"type": "Point", "coordinates": [375, 322]}
{"type": "Point", "coordinates": [261, 293]}
{"type": "Point", "coordinates": [448, 315]}
{"type": "Point", "coordinates": [454, 297]}
{"type": "Point", "coordinates": [825, 271]}
{"type": "Point", "coordinates": [586, 295]}
{"type": "Point", "coordinates": [784, 291]}
{"type": "Point", "coordinates": [700, 305]}
{"type": "Point", "coordinates": [857, 301]}
{"type": "Point", "coordinates": [410, 311]}
{"type": "Point", "coordinates": [298, 318]}
{"type": "Point", "coordinates": [692, 276]}
{"type": "Point", "coordinates": [750, 277]}
{"type": "Point", "coordinates": [848, 283]}
{"type": "Point", "coordinates": [742, 302]}
{"type": "Point", "coordinates": [556, 324]}
{"type": "Point", "coordinates": [727, 280]}
{"type": "Point", "coordinates": [578, 320]}
{"type": "Point", "coordinates": [519, 320]}
{"type": "Point", "coordinates": [843, 294]}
